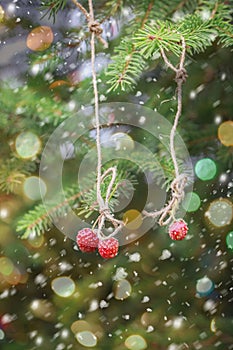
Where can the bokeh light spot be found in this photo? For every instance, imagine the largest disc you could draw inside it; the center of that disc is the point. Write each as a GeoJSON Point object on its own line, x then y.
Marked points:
{"type": "Point", "coordinates": [36, 241]}
{"type": "Point", "coordinates": [34, 188]}
{"type": "Point", "coordinates": [225, 133]}
{"type": "Point", "coordinates": [42, 309]}
{"type": "Point", "coordinates": [135, 342]}
{"type": "Point", "coordinates": [133, 219]}
{"type": "Point", "coordinates": [87, 339]}
{"type": "Point", "coordinates": [27, 144]}
{"type": "Point", "coordinates": [7, 267]}
{"type": "Point", "coordinates": [58, 83]}
{"type": "Point", "coordinates": [204, 286]}
{"type": "Point", "coordinates": [122, 289]}
{"type": "Point", "coordinates": [122, 141]}
{"type": "Point", "coordinates": [63, 286]}
{"type": "Point", "coordinates": [191, 202]}
{"type": "Point", "coordinates": [229, 240]}
{"type": "Point", "coordinates": [213, 327]}
{"type": "Point", "coordinates": [2, 334]}
{"type": "Point", "coordinates": [80, 326]}
{"type": "Point", "coordinates": [14, 278]}
{"type": "Point", "coordinates": [205, 169]}
{"type": "Point", "coordinates": [2, 14]}
{"type": "Point", "coordinates": [220, 212]}
{"type": "Point", "coordinates": [40, 38]}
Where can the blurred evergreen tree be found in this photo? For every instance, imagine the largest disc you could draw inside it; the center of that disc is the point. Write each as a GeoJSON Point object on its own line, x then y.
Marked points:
{"type": "Point", "coordinates": [150, 290]}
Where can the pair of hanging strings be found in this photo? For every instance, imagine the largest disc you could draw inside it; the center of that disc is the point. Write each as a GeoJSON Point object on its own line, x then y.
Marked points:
{"type": "Point", "coordinates": [167, 213]}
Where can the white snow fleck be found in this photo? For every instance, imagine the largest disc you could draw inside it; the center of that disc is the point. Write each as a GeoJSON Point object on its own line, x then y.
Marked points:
{"type": "Point", "coordinates": [216, 103]}
{"type": "Point", "coordinates": [218, 119]}
{"type": "Point", "coordinates": [11, 8]}
{"type": "Point", "coordinates": [39, 340]}
{"type": "Point", "coordinates": [120, 274]}
{"type": "Point", "coordinates": [223, 76]}
{"type": "Point", "coordinates": [142, 120]}
{"type": "Point", "coordinates": [35, 304]}
{"type": "Point", "coordinates": [103, 98]}
{"type": "Point", "coordinates": [95, 285]}
{"type": "Point", "coordinates": [4, 294]}
{"type": "Point", "coordinates": [60, 346]}
{"type": "Point", "coordinates": [32, 334]}
{"type": "Point", "coordinates": [8, 318]}
{"type": "Point", "coordinates": [192, 95]}
{"type": "Point", "coordinates": [145, 299]}
{"type": "Point", "coordinates": [177, 322]}
{"type": "Point", "coordinates": [40, 279]}
{"type": "Point", "coordinates": [65, 266]}
{"type": "Point", "coordinates": [126, 317]}
{"type": "Point", "coordinates": [71, 105]}
{"type": "Point", "coordinates": [166, 254]}
{"type": "Point", "coordinates": [173, 347]}
{"type": "Point", "coordinates": [103, 304]}
{"type": "Point", "coordinates": [210, 306]}
{"type": "Point", "coordinates": [135, 257]}
{"type": "Point", "coordinates": [93, 305]}
{"type": "Point", "coordinates": [150, 329]}
{"type": "Point", "coordinates": [223, 177]}
{"type": "Point", "coordinates": [64, 333]}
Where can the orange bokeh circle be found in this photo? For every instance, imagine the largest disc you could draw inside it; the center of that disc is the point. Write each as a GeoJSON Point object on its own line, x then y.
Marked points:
{"type": "Point", "coordinates": [40, 38]}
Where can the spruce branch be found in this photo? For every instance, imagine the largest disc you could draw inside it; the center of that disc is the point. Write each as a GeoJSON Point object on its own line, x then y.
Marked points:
{"type": "Point", "coordinates": [53, 7]}
{"type": "Point", "coordinates": [126, 67]}
{"type": "Point", "coordinates": [198, 35]}
{"type": "Point", "coordinates": [38, 220]}
{"type": "Point", "coordinates": [128, 63]}
{"type": "Point", "coordinates": [13, 172]}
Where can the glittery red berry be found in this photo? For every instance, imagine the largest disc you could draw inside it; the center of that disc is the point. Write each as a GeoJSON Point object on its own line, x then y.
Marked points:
{"type": "Point", "coordinates": [178, 230]}
{"type": "Point", "coordinates": [108, 248]}
{"type": "Point", "coordinates": [87, 240]}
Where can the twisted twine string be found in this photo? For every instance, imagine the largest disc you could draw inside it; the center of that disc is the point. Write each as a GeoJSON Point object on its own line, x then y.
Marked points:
{"type": "Point", "coordinates": [104, 210]}
{"type": "Point", "coordinates": [167, 214]}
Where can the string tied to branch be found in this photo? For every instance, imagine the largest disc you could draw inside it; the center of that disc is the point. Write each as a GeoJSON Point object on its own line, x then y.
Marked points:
{"type": "Point", "coordinates": [167, 214]}
{"type": "Point", "coordinates": [94, 27]}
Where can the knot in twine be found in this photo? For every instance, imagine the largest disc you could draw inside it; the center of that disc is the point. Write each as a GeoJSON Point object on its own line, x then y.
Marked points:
{"type": "Point", "coordinates": [94, 27]}
{"type": "Point", "coordinates": [181, 75]}
{"type": "Point", "coordinates": [104, 210]}
{"type": "Point", "coordinates": [178, 186]}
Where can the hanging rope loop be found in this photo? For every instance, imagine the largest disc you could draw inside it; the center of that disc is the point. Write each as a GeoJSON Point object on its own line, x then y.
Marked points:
{"type": "Point", "coordinates": [167, 214]}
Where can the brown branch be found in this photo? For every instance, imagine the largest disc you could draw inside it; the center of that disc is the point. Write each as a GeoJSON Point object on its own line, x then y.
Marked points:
{"type": "Point", "coordinates": [213, 13]}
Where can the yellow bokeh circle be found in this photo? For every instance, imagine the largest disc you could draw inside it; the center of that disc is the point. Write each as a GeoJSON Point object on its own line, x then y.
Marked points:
{"type": "Point", "coordinates": [132, 219]}
{"type": "Point", "coordinates": [225, 133]}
